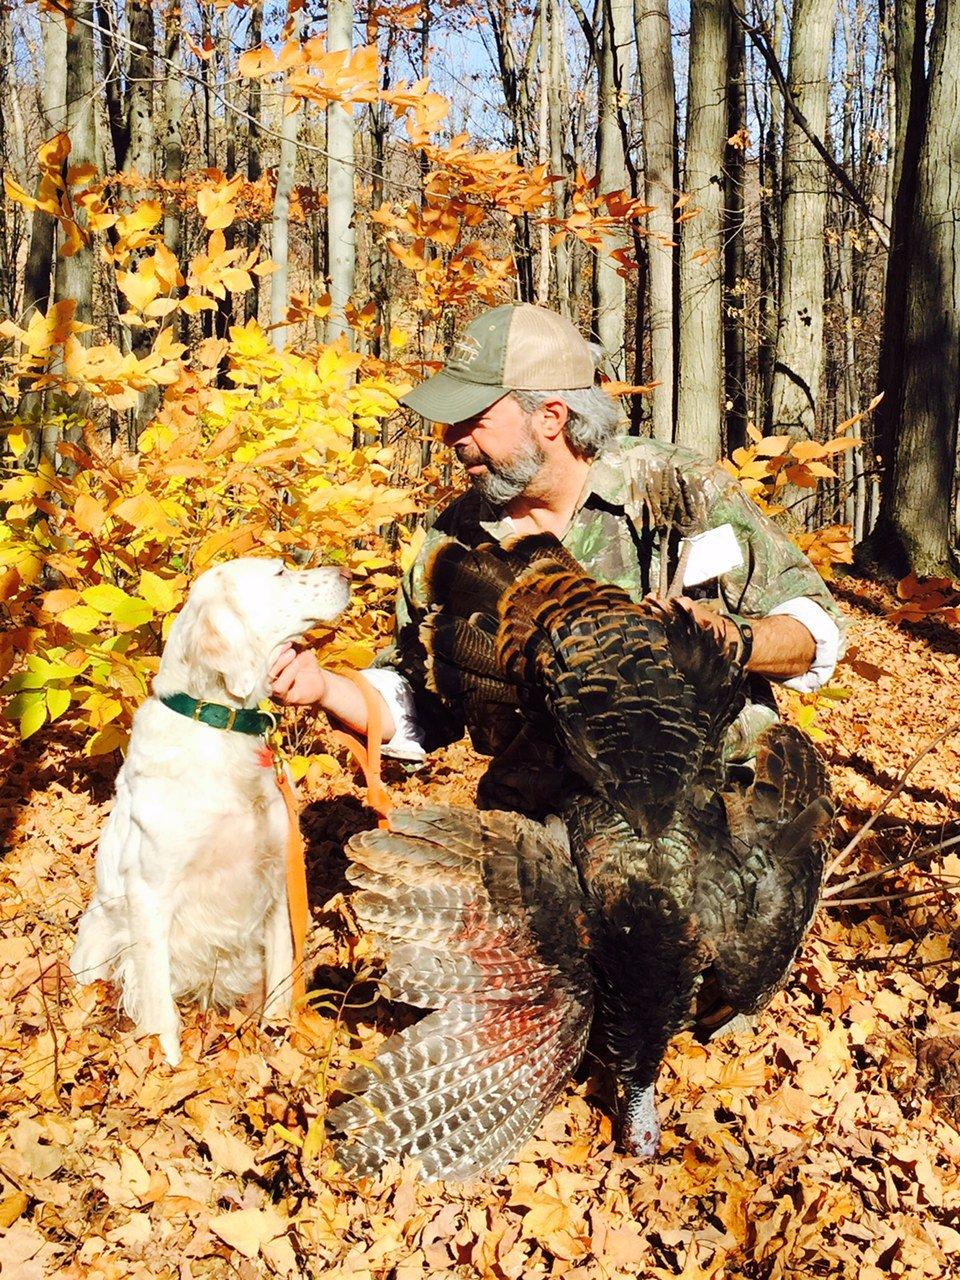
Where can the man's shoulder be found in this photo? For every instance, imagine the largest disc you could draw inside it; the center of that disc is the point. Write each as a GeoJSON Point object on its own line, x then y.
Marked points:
{"type": "Point", "coordinates": [633, 467]}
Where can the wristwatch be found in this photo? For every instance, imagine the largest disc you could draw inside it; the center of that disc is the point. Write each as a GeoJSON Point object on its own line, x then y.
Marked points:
{"type": "Point", "coordinates": [745, 630]}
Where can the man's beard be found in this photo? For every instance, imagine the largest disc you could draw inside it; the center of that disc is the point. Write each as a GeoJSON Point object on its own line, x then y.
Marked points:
{"type": "Point", "coordinates": [501, 482]}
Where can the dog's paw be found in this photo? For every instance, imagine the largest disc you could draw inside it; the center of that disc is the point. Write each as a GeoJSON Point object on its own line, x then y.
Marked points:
{"type": "Point", "coordinates": [170, 1044]}
{"type": "Point", "coordinates": [276, 1007]}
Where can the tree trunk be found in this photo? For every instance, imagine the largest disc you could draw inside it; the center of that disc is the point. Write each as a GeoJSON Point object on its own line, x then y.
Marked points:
{"type": "Point", "coordinates": [341, 240]}
{"type": "Point", "coordinates": [659, 108]}
{"type": "Point", "coordinates": [559, 116]}
{"type": "Point", "coordinates": [38, 272]}
{"type": "Point", "coordinates": [610, 289]}
{"type": "Point", "coordinates": [73, 276]}
{"type": "Point", "coordinates": [172, 143]}
{"type": "Point", "coordinates": [547, 92]}
{"type": "Point", "coordinates": [254, 162]}
{"type": "Point", "coordinates": [734, 259]}
{"type": "Point", "coordinates": [908, 134]}
{"type": "Point", "coordinates": [770, 201]}
{"type": "Point", "coordinates": [140, 118]}
{"type": "Point", "coordinates": [919, 507]}
{"type": "Point", "coordinates": [799, 352]}
{"type": "Point", "coordinates": [280, 223]}
{"type": "Point", "coordinates": [700, 395]}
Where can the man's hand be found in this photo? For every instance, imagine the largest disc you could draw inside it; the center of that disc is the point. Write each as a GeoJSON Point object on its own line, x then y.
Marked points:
{"type": "Point", "coordinates": [296, 677]}
{"type": "Point", "coordinates": [724, 630]}
{"type": "Point", "coordinates": [782, 646]}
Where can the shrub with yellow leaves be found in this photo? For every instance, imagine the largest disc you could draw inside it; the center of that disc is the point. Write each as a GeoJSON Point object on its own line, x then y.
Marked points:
{"type": "Point", "coordinates": [96, 560]}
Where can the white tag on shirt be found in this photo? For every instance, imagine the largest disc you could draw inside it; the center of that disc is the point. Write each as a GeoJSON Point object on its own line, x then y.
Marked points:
{"type": "Point", "coordinates": [712, 553]}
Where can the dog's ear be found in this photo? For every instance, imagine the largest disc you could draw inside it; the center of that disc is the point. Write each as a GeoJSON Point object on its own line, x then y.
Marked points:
{"type": "Point", "coordinates": [220, 641]}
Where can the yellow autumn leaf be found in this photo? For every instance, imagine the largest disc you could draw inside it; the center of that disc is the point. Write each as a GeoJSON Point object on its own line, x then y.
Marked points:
{"type": "Point", "coordinates": [143, 511]}
{"type": "Point", "coordinates": [143, 217]}
{"type": "Point", "coordinates": [248, 1230]}
{"type": "Point", "coordinates": [88, 514]}
{"type": "Point", "coordinates": [58, 699]}
{"type": "Point", "coordinates": [81, 617]}
{"type": "Point", "coordinates": [11, 1207]}
{"type": "Point", "coordinates": [162, 594]}
{"type": "Point", "coordinates": [141, 286]}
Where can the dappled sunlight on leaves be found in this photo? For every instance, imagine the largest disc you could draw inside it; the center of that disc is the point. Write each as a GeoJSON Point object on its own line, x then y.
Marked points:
{"type": "Point", "coordinates": [823, 1143]}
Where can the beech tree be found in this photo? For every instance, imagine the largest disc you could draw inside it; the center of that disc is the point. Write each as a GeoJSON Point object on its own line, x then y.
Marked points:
{"type": "Point", "coordinates": [700, 362]}
{"type": "Point", "coordinates": [799, 349]}
{"type": "Point", "coordinates": [916, 528]}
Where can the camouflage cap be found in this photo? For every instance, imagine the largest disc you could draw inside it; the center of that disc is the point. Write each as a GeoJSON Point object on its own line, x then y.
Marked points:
{"type": "Point", "coordinates": [516, 347]}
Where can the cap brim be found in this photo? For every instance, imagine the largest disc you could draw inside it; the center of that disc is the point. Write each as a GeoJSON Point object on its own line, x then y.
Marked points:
{"type": "Point", "coordinates": [446, 399]}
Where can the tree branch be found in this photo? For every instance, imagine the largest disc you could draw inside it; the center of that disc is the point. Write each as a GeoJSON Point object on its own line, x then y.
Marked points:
{"type": "Point", "coordinates": [767, 52]}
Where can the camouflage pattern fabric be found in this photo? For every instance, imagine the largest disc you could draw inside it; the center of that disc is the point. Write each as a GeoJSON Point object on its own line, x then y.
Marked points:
{"type": "Point", "coordinates": [641, 498]}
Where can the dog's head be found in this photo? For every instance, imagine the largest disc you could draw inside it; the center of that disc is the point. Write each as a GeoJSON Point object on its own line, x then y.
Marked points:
{"type": "Point", "coordinates": [235, 619]}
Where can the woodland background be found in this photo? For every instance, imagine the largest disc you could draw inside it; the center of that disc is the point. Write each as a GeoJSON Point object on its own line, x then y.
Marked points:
{"type": "Point", "coordinates": [232, 234]}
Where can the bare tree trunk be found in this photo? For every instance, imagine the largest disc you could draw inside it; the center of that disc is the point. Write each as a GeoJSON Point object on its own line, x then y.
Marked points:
{"type": "Point", "coordinates": [73, 275]}
{"type": "Point", "coordinates": [799, 352]}
{"type": "Point", "coordinates": [610, 289]}
{"type": "Point", "coordinates": [659, 107]}
{"type": "Point", "coordinates": [546, 92]}
{"type": "Point", "coordinates": [911, 108]}
{"type": "Point", "coordinates": [559, 115]}
{"type": "Point", "coordinates": [700, 394]}
{"type": "Point", "coordinates": [172, 143]}
{"type": "Point", "coordinates": [513, 77]}
{"type": "Point", "coordinates": [38, 272]}
{"type": "Point", "coordinates": [280, 226]}
{"type": "Point", "coordinates": [770, 202]}
{"type": "Point", "coordinates": [254, 162]}
{"type": "Point", "coordinates": [341, 253]}
{"type": "Point", "coordinates": [919, 506]}
{"type": "Point", "coordinates": [139, 157]}
{"type": "Point", "coordinates": [734, 258]}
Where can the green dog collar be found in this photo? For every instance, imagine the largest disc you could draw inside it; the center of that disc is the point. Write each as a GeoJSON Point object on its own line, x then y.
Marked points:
{"type": "Point", "coordinates": [255, 723]}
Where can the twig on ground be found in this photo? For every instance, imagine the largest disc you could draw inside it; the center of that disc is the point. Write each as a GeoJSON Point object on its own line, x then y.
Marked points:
{"type": "Point", "coordinates": [854, 881]}
{"type": "Point", "coordinates": [844, 855]}
{"type": "Point", "coordinates": [889, 897]}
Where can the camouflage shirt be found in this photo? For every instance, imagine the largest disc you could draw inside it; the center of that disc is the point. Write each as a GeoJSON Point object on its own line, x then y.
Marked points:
{"type": "Point", "coordinates": [640, 499]}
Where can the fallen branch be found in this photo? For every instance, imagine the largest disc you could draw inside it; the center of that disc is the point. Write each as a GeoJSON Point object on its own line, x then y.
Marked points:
{"type": "Point", "coordinates": [888, 897]}
{"type": "Point", "coordinates": [855, 881]}
{"type": "Point", "coordinates": [844, 854]}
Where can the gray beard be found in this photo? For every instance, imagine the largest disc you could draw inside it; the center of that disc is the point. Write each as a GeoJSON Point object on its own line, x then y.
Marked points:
{"type": "Point", "coordinates": [504, 481]}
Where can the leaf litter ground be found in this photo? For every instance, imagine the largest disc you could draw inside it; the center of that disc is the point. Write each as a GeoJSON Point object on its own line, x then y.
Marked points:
{"type": "Point", "coordinates": [823, 1144]}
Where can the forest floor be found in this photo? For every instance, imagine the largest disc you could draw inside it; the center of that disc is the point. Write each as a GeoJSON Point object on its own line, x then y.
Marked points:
{"type": "Point", "coordinates": [824, 1144]}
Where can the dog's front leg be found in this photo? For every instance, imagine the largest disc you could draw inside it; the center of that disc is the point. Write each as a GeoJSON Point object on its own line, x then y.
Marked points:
{"type": "Point", "coordinates": [278, 960]}
{"type": "Point", "coordinates": [150, 1001]}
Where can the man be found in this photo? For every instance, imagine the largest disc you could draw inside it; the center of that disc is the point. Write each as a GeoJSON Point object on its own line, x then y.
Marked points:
{"type": "Point", "coordinates": [519, 404]}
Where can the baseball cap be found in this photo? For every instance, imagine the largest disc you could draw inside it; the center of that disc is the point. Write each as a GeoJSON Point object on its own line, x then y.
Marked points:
{"type": "Point", "coordinates": [516, 347]}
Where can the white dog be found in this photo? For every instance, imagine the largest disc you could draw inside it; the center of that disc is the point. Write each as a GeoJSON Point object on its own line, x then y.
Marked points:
{"type": "Point", "coordinates": [191, 888]}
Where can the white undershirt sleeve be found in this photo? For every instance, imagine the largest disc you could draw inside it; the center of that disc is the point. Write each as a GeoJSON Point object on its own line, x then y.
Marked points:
{"type": "Point", "coordinates": [826, 636]}
{"type": "Point", "coordinates": [407, 741]}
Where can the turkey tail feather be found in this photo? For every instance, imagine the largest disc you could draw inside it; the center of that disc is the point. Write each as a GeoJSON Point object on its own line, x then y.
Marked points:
{"type": "Point", "coordinates": [477, 913]}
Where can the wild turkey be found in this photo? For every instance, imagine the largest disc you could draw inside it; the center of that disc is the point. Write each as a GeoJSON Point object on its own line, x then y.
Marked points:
{"type": "Point", "coordinates": [665, 898]}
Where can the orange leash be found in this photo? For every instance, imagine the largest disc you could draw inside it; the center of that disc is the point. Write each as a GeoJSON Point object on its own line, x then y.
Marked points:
{"type": "Point", "coordinates": [298, 907]}
{"type": "Point", "coordinates": [297, 904]}
{"type": "Point", "coordinates": [368, 757]}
